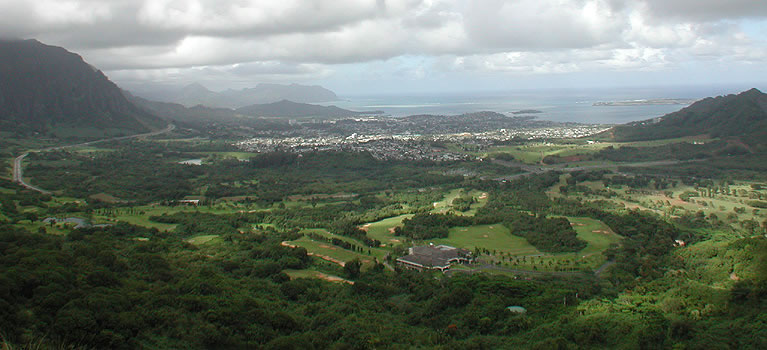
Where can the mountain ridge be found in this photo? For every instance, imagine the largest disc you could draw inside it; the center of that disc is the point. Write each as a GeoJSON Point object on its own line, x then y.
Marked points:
{"type": "Point", "coordinates": [740, 116]}
{"type": "Point", "coordinates": [44, 89]}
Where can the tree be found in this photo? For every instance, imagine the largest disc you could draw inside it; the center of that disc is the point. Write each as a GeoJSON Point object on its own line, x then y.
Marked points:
{"type": "Point", "coordinates": [352, 268]}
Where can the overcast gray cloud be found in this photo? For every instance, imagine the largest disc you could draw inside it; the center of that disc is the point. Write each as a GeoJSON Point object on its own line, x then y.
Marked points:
{"type": "Point", "coordinates": [706, 10]}
{"type": "Point", "coordinates": [244, 41]}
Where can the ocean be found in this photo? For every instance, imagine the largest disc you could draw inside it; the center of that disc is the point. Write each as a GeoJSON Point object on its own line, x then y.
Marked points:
{"type": "Point", "coordinates": [561, 105]}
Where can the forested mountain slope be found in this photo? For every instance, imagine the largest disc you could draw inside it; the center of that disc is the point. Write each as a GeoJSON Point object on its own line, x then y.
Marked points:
{"type": "Point", "coordinates": [44, 88]}
{"type": "Point", "coordinates": [740, 117]}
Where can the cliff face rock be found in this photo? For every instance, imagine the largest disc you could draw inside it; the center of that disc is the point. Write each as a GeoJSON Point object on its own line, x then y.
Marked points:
{"type": "Point", "coordinates": [44, 87]}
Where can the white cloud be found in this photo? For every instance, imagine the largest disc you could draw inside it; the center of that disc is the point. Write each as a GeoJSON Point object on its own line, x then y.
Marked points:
{"type": "Point", "coordinates": [257, 17]}
{"type": "Point", "coordinates": [64, 12]}
{"type": "Point", "coordinates": [306, 39]}
{"type": "Point", "coordinates": [541, 25]}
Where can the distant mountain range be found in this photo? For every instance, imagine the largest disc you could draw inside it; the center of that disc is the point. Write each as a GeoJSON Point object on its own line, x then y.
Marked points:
{"type": "Point", "coordinates": [47, 89]}
{"type": "Point", "coordinates": [180, 113]}
{"type": "Point", "coordinates": [278, 110]}
{"type": "Point", "coordinates": [290, 109]}
{"type": "Point", "coordinates": [742, 117]}
{"type": "Point", "coordinates": [196, 94]}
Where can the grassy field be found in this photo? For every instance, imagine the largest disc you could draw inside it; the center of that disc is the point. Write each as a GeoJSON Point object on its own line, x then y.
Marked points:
{"type": "Point", "coordinates": [105, 197]}
{"type": "Point", "coordinates": [508, 250]}
{"type": "Point", "coordinates": [35, 226]}
{"type": "Point", "coordinates": [329, 252]}
{"type": "Point", "coordinates": [202, 239]}
{"type": "Point", "coordinates": [491, 237]}
{"type": "Point", "coordinates": [376, 252]}
{"type": "Point", "coordinates": [307, 273]}
{"type": "Point", "coordinates": [381, 230]}
{"type": "Point", "coordinates": [139, 215]}
{"type": "Point", "coordinates": [446, 204]}
{"type": "Point", "coordinates": [140, 219]}
{"type": "Point", "coordinates": [598, 235]}
{"type": "Point", "coordinates": [723, 206]}
{"type": "Point", "coordinates": [92, 149]}
{"type": "Point", "coordinates": [720, 204]}
{"type": "Point", "coordinates": [238, 155]}
{"type": "Point", "coordinates": [534, 153]}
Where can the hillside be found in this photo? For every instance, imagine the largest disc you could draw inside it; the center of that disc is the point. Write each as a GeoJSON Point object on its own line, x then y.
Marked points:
{"type": "Point", "coordinates": [742, 117]}
{"type": "Point", "coordinates": [290, 109]}
{"type": "Point", "coordinates": [179, 113]}
{"type": "Point", "coordinates": [197, 94]}
{"type": "Point", "coordinates": [47, 89]}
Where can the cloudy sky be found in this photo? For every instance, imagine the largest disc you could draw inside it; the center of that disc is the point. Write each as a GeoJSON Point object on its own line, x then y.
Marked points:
{"type": "Point", "coordinates": [390, 46]}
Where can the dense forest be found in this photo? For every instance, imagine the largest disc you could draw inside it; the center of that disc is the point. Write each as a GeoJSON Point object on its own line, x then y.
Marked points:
{"type": "Point", "coordinates": [102, 288]}
{"type": "Point", "coordinates": [153, 175]}
{"type": "Point", "coordinates": [132, 285]}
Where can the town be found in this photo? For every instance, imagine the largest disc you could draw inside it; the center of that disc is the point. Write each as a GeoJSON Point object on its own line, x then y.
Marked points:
{"type": "Point", "coordinates": [386, 137]}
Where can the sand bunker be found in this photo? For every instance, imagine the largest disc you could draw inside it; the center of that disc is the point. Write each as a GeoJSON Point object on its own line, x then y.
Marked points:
{"type": "Point", "coordinates": [325, 257]}
{"type": "Point", "coordinates": [333, 278]}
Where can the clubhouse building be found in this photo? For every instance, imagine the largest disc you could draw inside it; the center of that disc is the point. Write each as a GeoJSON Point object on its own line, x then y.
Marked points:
{"type": "Point", "coordinates": [432, 257]}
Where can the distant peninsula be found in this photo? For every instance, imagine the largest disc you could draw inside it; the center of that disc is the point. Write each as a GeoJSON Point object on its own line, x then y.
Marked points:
{"type": "Point", "coordinates": [197, 94]}
{"type": "Point", "coordinates": [650, 102]}
{"type": "Point", "coordinates": [527, 111]}
{"type": "Point", "coordinates": [290, 109]}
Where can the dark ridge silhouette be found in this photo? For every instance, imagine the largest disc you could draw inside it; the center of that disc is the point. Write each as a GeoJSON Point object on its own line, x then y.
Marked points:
{"type": "Point", "coordinates": [44, 88]}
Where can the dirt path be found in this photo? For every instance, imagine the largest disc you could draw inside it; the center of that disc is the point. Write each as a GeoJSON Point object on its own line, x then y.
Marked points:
{"type": "Point", "coordinates": [18, 171]}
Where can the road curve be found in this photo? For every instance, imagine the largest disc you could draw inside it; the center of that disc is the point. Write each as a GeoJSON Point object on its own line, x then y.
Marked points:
{"type": "Point", "coordinates": [18, 172]}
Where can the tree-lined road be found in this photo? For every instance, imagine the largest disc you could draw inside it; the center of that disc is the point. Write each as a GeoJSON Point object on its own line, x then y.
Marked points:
{"type": "Point", "coordinates": [18, 172]}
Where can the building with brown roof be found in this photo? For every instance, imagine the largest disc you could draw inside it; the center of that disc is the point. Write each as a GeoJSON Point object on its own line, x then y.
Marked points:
{"type": "Point", "coordinates": [432, 257]}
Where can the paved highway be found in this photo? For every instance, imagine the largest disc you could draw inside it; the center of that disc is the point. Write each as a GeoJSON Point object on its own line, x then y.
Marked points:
{"type": "Point", "coordinates": [18, 172]}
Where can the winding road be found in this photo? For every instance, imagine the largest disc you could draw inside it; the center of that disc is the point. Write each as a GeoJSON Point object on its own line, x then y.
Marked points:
{"type": "Point", "coordinates": [18, 172]}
